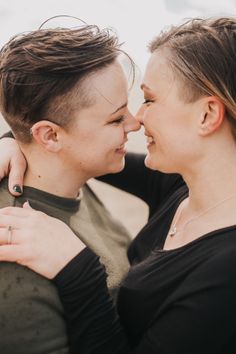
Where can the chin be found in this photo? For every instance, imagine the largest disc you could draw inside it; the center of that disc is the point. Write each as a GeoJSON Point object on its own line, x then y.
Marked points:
{"type": "Point", "coordinates": [113, 168]}
{"type": "Point", "coordinates": [151, 163]}
{"type": "Point", "coordinates": [118, 167]}
{"type": "Point", "coordinates": [156, 165]}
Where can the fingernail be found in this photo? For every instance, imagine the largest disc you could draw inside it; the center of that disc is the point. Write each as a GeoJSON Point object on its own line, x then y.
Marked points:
{"type": "Point", "coordinates": [17, 188]}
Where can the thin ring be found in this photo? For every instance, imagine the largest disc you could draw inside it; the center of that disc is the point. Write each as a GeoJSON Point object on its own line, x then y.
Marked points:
{"type": "Point", "coordinates": [9, 235]}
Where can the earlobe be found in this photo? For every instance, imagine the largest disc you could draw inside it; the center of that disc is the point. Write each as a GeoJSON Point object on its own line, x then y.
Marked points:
{"type": "Point", "coordinates": [212, 116]}
{"type": "Point", "coordinates": [45, 133]}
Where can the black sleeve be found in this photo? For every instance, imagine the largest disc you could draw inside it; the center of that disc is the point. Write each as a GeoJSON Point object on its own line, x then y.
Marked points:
{"type": "Point", "coordinates": [7, 135]}
{"type": "Point", "coordinates": [201, 320]}
{"type": "Point", "coordinates": [92, 322]}
{"type": "Point", "coordinates": [153, 187]}
{"type": "Point", "coordinates": [133, 178]}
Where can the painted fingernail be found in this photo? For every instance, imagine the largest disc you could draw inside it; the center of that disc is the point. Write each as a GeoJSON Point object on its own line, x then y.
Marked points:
{"type": "Point", "coordinates": [17, 188]}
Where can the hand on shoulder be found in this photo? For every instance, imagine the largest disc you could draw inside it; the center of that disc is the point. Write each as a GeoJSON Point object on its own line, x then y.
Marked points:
{"type": "Point", "coordinates": [45, 250]}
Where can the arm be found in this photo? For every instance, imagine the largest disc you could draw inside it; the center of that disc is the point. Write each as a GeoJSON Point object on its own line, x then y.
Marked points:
{"type": "Point", "coordinates": [93, 324]}
{"type": "Point", "coordinates": [199, 316]}
{"type": "Point", "coordinates": [132, 178]}
{"type": "Point", "coordinates": [153, 187]}
{"type": "Point", "coordinates": [200, 320]}
{"type": "Point", "coordinates": [92, 321]}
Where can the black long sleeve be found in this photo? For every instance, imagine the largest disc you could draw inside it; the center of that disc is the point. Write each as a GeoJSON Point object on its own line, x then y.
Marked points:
{"type": "Point", "coordinates": [7, 135]}
{"type": "Point", "coordinates": [92, 321]}
{"type": "Point", "coordinates": [177, 302]}
{"type": "Point", "coordinates": [146, 184]}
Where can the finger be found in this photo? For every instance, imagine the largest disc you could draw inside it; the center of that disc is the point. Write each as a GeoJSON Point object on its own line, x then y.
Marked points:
{"type": "Point", "coordinates": [16, 175]}
{"type": "Point", "coordinates": [4, 235]}
{"type": "Point", "coordinates": [14, 238]}
{"type": "Point", "coordinates": [15, 222]}
{"type": "Point", "coordinates": [27, 205]}
{"type": "Point", "coordinates": [16, 211]}
{"type": "Point", "coordinates": [10, 253]}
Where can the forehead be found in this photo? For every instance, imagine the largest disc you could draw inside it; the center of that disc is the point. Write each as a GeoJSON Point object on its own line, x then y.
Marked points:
{"type": "Point", "coordinates": [110, 86]}
{"type": "Point", "coordinates": [158, 71]}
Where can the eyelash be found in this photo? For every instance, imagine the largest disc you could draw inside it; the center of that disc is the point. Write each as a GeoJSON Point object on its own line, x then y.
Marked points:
{"type": "Point", "coordinates": [119, 120]}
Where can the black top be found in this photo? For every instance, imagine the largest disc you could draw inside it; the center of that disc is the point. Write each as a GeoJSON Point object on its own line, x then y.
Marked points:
{"type": "Point", "coordinates": [180, 301]}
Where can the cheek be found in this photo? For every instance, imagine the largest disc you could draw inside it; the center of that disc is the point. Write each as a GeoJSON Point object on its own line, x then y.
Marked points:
{"type": "Point", "coordinates": [113, 137]}
{"type": "Point", "coordinates": [103, 146]}
{"type": "Point", "coordinates": [99, 143]}
{"type": "Point", "coordinates": [150, 117]}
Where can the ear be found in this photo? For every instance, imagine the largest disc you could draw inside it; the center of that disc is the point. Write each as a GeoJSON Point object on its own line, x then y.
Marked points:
{"type": "Point", "coordinates": [46, 134]}
{"type": "Point", "coordinates": [212, 116]}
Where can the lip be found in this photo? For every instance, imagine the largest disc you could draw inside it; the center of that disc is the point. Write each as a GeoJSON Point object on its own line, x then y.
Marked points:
{"type": "Point", "coordinates": [146, 133]}
{"type": "Point", "coordinates": [121, 149]}
{"type": "Point", "coordinates": [149, 141]}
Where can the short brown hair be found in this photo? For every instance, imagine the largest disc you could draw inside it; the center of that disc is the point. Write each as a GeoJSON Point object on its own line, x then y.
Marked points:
{"type": "Point", "coordinates": [39, 71]}
{"type": "Point", "coordinates": [202, 52]}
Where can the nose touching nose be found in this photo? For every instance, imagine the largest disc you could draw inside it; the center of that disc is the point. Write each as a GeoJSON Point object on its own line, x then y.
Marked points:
{"type": "Point", "coordinates": [139, 114]}
{"type": "Point", "coordinates": [132, 124]}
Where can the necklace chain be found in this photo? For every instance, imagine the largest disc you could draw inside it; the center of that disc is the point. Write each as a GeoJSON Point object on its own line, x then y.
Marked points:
{"type": "Point", "coordinates": [173, 230]}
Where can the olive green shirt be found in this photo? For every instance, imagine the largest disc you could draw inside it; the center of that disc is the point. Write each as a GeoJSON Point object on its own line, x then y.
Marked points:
{"type": "Point", "coordinates": [31, 315]}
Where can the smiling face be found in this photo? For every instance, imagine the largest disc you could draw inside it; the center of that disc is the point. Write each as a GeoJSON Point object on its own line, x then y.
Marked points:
{"type": "Point", "coordinates": [95, 142]}
{"type": "Point", "coordinates": [169, 122]}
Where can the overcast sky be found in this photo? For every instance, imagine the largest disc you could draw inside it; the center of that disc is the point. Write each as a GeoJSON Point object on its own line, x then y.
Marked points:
{"type": "Point", "coordinates": [135, 21]}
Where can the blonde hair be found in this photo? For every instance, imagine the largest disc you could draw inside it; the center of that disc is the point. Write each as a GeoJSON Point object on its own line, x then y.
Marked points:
{"type": "Point", "coordinates": [202, 52]}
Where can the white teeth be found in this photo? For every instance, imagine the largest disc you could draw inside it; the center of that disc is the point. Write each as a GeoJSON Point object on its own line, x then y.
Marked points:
{"type": "Point", "coordinates": [150, 140]}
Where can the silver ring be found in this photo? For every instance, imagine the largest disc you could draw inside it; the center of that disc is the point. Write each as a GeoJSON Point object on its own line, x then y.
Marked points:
{"type": "Point", "coordinates": [9, 235]}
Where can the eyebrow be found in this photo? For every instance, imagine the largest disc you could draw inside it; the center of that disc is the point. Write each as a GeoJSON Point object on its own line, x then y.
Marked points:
{"type": "Point", "coordinates": [119, 108]}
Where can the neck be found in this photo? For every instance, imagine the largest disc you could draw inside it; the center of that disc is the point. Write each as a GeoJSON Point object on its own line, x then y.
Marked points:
{"type": "Point", "coordinates": [212, 181]}
{"type": "Point", "coordinates": [53, 176]}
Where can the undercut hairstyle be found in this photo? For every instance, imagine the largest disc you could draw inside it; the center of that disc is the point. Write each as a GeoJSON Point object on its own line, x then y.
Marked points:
{"type": "Point", "coordinates": [202, 54]}
{"type": "Point", "coordinates": [43, 74]}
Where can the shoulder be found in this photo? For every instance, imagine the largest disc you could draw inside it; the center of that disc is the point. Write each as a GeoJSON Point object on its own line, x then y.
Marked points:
{"type": "Point", "coordinates": [6, 199]}
{"type": "Point", "coordinates": [219, 262]}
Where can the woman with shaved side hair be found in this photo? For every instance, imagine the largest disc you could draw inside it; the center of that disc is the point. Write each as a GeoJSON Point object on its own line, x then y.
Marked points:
{"type": "Point", "coordinates": [64, 94]}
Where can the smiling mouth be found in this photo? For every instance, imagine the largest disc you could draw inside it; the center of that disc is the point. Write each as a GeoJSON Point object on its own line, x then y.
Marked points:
{"type": "Point", "coordinates": [121, 148]}
{"type": "Point", "coordinates": [150, 140]}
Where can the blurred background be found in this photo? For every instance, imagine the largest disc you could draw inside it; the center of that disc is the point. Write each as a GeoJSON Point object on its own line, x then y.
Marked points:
{"type": "Point", "coordinates": [136, 22]}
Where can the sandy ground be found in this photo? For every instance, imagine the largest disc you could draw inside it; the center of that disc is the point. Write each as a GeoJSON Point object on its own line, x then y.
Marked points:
{"type": "Point", "coordinates": [129, 209]}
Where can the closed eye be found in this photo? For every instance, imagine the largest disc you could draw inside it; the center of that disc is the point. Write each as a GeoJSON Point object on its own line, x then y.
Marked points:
{"type": "Point", "coordinates": [119, 120]}
{"type": "Point", "coordinates": [148, 101]}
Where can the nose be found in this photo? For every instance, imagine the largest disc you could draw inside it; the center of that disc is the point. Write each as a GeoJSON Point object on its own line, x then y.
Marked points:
{"type": "Point", "coordinates": [131, 123]}
{"type": "Point", "coordinates": [140, 114]}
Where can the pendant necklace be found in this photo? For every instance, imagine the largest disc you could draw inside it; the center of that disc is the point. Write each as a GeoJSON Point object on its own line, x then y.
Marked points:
{"type": "Point", "coordinates": [174, 230]}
